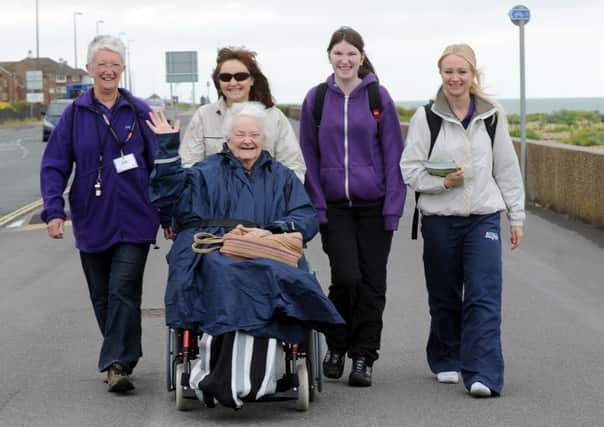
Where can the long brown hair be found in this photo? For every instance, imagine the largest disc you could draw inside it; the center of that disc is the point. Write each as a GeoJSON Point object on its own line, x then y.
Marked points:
{"type": "Point", "coordinates": [261, 90]}
{"type": "Point", "coordinates": [351, 36]}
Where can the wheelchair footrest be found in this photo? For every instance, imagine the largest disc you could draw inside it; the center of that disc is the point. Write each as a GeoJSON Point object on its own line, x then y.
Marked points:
{"type": "Point", "coordinates": [287, 382]}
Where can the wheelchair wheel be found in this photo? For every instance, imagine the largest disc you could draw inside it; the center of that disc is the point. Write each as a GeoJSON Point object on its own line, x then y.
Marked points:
{"type": "Point", "coordinates": [170, 356]}
{"type": "Point", "coordinates": [303, 400]}
{"type": "Point", "coordinates": [311, 364]}
{"type": "Point", "coordinates": [181, 401]}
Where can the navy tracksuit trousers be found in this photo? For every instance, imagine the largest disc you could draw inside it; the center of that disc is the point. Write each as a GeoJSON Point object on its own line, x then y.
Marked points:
{"type": "Point", "coordinates": [462, 265]}
{"type": "Point", "coordinates": [115, 283]}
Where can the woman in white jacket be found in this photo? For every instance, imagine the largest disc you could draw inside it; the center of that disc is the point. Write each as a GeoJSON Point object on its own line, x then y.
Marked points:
{"type": "Point", "coordinates": [461, 222]}
{"type": "Point", "coordinates": [238, 78]}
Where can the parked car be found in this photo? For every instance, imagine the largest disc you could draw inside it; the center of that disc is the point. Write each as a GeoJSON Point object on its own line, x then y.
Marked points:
{"type": "Point", "coordinates": [52, 116]}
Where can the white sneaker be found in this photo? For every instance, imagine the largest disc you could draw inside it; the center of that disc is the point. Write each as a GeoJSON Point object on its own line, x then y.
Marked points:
{"type": "Point", "coordinates": [448, 377]}
{"type": "Point", "coordinates": [478, 389]}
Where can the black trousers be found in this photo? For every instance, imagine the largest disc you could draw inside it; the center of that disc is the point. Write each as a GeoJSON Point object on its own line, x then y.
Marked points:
{"type": "Point", "coordinates": [358, 247]}
{"type": "Point", "coordinates": [115, 283]}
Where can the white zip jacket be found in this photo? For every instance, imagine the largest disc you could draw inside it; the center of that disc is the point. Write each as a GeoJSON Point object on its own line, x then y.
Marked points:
{"type": "Point", "coordinates": [492, 177]}
{"type": "Point", "coordinates": [204, 137]}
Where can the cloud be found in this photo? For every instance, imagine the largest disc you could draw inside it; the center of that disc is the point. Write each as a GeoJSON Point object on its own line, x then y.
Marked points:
{"type": "Point", "coordinates": [402, 38]}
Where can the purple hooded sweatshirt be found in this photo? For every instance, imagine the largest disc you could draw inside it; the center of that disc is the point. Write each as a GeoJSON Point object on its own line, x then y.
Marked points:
{"type": "Point", "coordinates": [123, 213]}
{"type": "Point", "coordinates": [350, 159]}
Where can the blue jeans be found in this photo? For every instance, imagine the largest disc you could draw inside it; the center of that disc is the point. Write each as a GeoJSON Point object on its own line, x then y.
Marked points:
{"type": "Point", "coordinates": [462, 265]}
{"type": "Point", "coordinates": [115, 283]}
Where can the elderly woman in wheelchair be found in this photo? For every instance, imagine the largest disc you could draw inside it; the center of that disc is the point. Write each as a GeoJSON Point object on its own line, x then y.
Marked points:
{"type": "Point", "coordinates": [237, 314]}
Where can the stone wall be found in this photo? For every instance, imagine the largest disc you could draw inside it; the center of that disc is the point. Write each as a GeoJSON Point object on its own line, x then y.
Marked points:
{"type": "Point", "coordinates": [564, 178]}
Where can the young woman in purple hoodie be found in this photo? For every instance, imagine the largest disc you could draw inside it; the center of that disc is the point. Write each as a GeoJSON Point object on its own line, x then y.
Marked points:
{"type": "Point", "coordinates": [353, 178]}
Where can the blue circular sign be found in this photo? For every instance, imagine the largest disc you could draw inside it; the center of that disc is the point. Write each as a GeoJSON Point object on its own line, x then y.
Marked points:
{"type": "Point", "coordinates": [520, 14]}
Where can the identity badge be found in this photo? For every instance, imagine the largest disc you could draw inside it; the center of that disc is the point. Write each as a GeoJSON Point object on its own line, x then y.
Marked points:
{"type": "Point", "coordinates": [125, 163]}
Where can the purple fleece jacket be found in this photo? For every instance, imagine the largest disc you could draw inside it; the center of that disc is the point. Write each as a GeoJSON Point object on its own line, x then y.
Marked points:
{"type": "Point", "coordinates": [350, 158]}
{"type": "Point", "coordinates": [123, 213]}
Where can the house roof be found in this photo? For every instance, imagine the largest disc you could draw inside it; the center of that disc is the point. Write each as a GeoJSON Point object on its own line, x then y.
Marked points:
{"type": "Point", "coordinates": [46, 65]}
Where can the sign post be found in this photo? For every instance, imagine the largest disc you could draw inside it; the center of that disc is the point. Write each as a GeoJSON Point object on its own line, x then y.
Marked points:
{"type": "Point", "coordinates": [34, 83]}
{"type": "Point", "coordinates": [181, 67]}
{"type": "Point", "coordinates": [520, 16]}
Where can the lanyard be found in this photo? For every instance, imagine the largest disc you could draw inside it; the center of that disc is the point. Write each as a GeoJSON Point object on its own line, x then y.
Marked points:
{"type": "Point", "coordinates": [105, 119]}
{"type": "Point", "coordinates": [112, 131]}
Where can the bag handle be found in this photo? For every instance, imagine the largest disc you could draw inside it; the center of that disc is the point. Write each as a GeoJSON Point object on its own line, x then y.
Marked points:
{"type": "Point", "coordinates": [206, 239]}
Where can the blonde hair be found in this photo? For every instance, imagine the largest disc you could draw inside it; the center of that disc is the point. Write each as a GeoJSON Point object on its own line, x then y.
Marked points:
{"type": "Point", "coordinates": [464, 51]}
{"type": "Point", "coordinates": [467, 53]}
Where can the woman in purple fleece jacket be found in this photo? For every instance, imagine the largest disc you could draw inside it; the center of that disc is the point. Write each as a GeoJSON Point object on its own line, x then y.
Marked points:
{"type": "Point", "coordinates": [354, 181]}
{"type": "Point", "coordinates": [103, 134]}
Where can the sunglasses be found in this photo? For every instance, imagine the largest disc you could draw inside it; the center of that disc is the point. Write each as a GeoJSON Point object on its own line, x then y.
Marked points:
{"type": "Point", "coordinates": [226, 77]}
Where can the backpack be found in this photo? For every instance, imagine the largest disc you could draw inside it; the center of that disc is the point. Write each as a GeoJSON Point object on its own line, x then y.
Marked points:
{"type": "Point", "coordinates": [434, 124]}
{"type": "Point", "coordinates": [375, 102]}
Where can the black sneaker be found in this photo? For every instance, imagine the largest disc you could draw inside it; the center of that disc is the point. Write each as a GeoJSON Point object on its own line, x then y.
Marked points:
{"type": "Point", "coordinates": [360, 375]}
{"type": "Point", "coordinates": [117, 379]}
{"type": "Point", "coordinates": [333, 364]}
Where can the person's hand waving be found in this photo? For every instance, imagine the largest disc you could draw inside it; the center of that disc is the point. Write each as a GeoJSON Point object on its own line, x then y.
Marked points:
{"type": "Point", "coordinates": [159, 124]}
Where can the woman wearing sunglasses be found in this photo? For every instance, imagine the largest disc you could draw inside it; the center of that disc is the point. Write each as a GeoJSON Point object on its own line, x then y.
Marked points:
{"type": "Point", "coordinates": [238, 78]}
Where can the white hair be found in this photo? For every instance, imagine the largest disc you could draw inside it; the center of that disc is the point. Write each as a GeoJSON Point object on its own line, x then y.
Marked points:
{"type": "Point", "coordinates": [106, 42]}
{"type": "Point", "coordinates": [254, 109]}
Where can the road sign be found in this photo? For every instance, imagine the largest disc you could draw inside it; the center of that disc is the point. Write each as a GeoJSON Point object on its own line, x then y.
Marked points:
{"type": "Point", "coordinates": [520, 14]}
{"type": "Point", "coordinates": [34, 98]}
{"type": "Point", "coordinates": [181, 67]}
{"type": "Point", "coordinates": [34, 80]}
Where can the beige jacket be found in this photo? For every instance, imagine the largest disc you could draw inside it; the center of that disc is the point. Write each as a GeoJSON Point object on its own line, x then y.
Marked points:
{"type": "Point", "coordinates": [204, 137]}
{"type": "Point", "coordinates": [492, 178]}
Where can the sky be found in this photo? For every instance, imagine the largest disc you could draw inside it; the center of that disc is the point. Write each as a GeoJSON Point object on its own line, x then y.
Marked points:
{"type": "Point", "coordinates": [403, 39]}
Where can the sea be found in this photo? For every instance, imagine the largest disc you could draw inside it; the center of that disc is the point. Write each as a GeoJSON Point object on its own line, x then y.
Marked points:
{"type": "Point", "coordinates": [535, 105]}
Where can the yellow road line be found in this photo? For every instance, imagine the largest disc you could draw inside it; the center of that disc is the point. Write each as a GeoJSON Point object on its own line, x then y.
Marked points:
{"type": "Point", "coordinates": [6, 219]}
{"type": "Point", "coordinates": [37, 226]}
{"type": "Point", "coordinates": [21, 211]}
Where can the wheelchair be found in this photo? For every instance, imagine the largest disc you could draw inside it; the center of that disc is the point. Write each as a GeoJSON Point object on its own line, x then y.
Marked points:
{"type": "Point", "coordinates": [301, 381]}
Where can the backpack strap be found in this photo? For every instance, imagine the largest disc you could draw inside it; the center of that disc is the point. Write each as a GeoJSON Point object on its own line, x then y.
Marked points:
{"type": "Point", "coordinates": [434, 124]}
{"type": "Point", "coordinates": [317, 110]}
{"type": "Point", "coordinates": [491, 125]}
{"type": "Point", "coordinates": [375, 101]}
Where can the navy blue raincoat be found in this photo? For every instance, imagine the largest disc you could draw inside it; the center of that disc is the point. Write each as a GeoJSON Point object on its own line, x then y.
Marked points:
{"type": "Point", "coordinates": [216, 294]}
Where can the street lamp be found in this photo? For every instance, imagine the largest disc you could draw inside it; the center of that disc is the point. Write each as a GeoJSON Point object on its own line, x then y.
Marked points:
{"type": "Point", "coordinates": [100, 21]}
{"type": "Point", "coordinates": [126, 70]}
{"type": "Point", "coordinates": [75, 40]}
{"type": "Point", "coordinates": [37, 34]}
{"type": "Point", "coordinates": [129, 67]}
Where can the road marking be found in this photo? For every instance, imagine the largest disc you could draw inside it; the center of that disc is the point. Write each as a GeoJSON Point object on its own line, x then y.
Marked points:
{"type": "Point", "coordinates": [26, 209]}
{"type": "Point", "coordinates": [15, 145]}
{"type": "Point", "coordinates": [39, 226]}
{"type": "Point", "coordinates": [16, 224]}
{"type": "Point", "coordinates": [23, 149]}
{"type": "Point", "coordinates": [21, 211]}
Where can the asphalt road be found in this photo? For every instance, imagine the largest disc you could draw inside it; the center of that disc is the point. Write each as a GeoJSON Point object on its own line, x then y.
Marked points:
{"type": "Point", "coordinates": [553, 337]}
{"type": "Point", "coordinates": [553, 340]}
{"type": "Point", "coordinates": [20, 153]}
